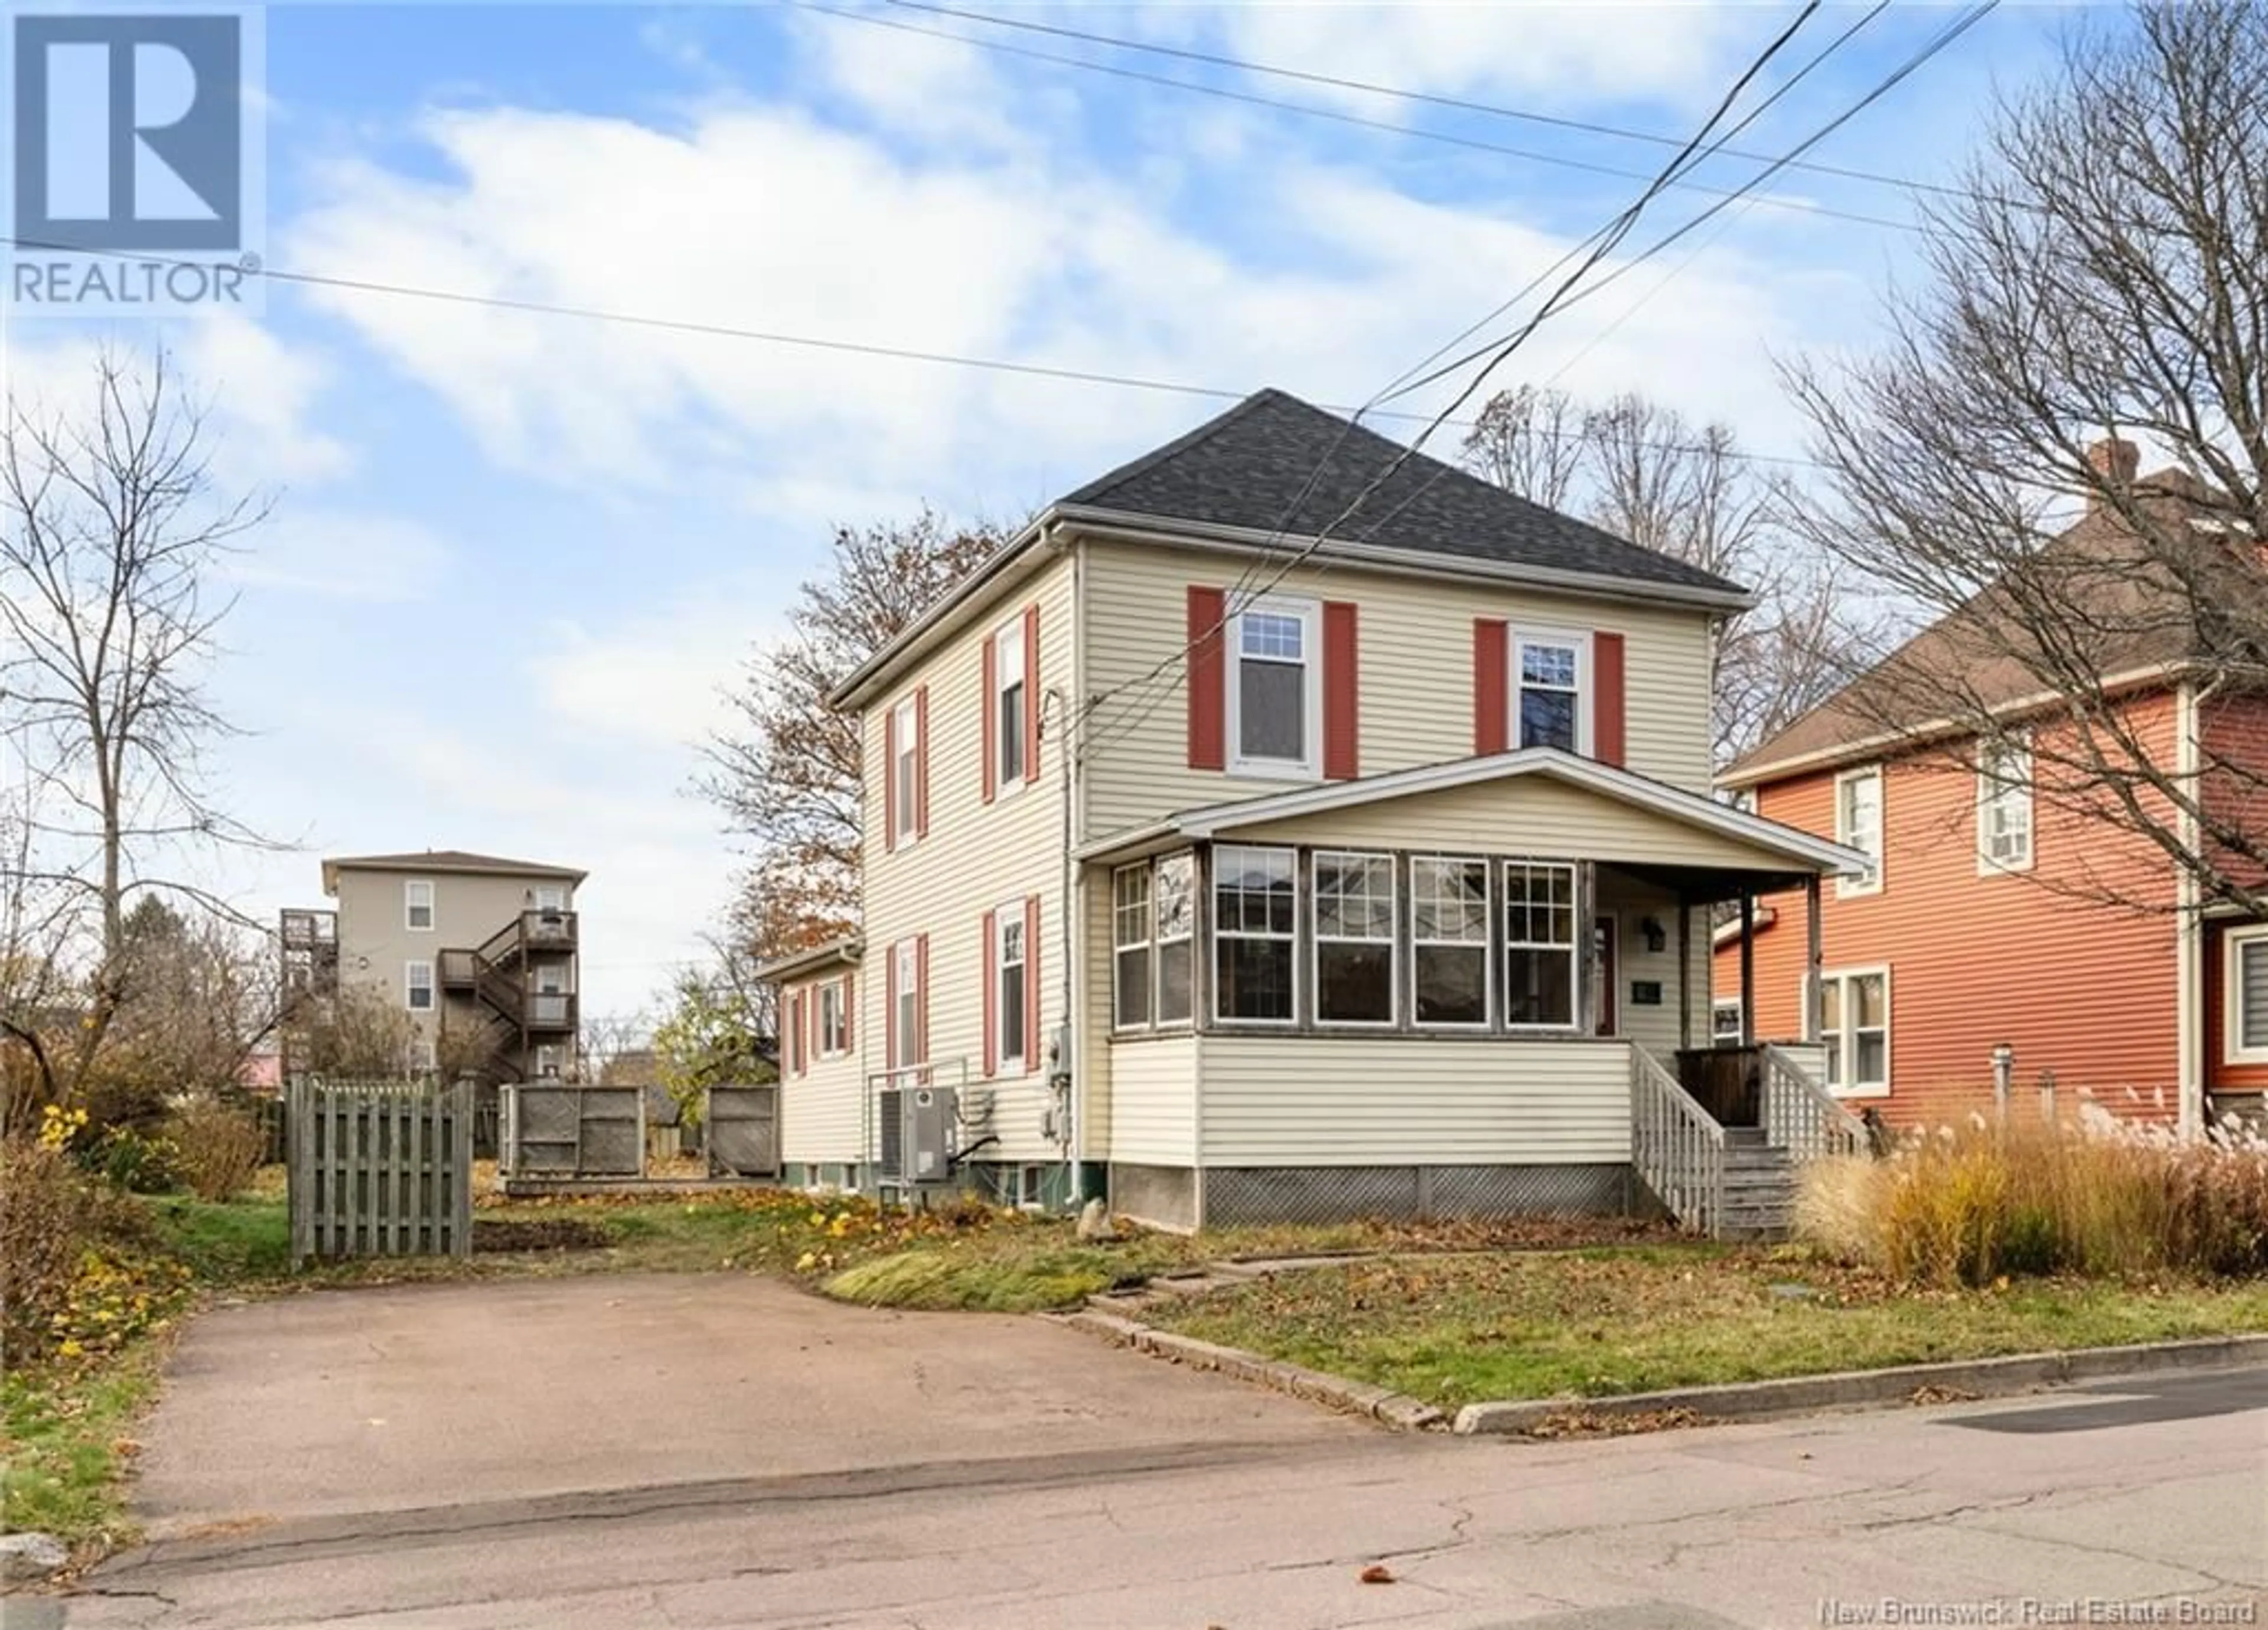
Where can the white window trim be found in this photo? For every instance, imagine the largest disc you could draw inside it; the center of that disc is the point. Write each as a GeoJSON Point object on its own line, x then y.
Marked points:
{"type": "Point", "coordinates": [1505, 944]}
{"type": "Point", "coordinates": [1310, 767]}
{"type": "Point", "coordinates": [1159, 939]}
{"type": "Point", "coordinates": [1849, 1088]}
{"type": "Point", "coordinates": [1988, 787]}
{"type": "Point", "coordinates": [1580, 639]}
{"type": "Point", "coordinates": [1213, 887]}
{"type": "Point", "coordinates": [1009, 635]}
{"type": "Point", "coordinates": [1147, 945]}
{"type": "Point", "coordinates": [1486, 942]}
{"type": "Point", "coordinates": [907, 993]}
{"type": "Point", "coordinates": [409, 886]}
{"type": "Point", "coordinates": [905, 746]}
{"type": "Point", "coordinates": [2232, 1049]}
{"type": "Point", "coordinates": [409, 986]}
{"type": "Point", "coordinates": [1008, 1050]}
{"type": "Point", "coordinates": [1317, 941]}
{"type": "Point", "coordinates": [1721, 1003]}
{"type": "Point", "coordinates": [1848, 888]}
{"type": "Point", "coordinates": [834, 987]}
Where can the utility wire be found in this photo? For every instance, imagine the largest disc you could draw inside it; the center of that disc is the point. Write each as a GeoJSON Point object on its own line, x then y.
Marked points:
{"type": "Point", "coordinates": [1306, 109]}
{"type": "Point", "coordinates": [1497, 351]}
{"type": "Point", "coordinates": [1605, 242]}
{"type": "Point", "coordinates": [1218, 59]}
{"type": "Point", "coordinates": [719, 330]}
{"type": "Point", "coordinates": [1937, 42]}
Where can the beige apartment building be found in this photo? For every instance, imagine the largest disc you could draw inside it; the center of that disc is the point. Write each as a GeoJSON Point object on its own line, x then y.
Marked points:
{"type": "Point", "coordinates": [474, 947]}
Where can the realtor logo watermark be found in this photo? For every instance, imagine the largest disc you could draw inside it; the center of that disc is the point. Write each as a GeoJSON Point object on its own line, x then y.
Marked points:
{"type": "Point", "coordinates": [137, 180]}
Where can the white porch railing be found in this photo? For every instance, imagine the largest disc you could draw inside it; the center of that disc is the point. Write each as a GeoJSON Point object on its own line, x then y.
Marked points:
{"type": "Point", "coordinates": [1676, 1145]}
{"type": "Point", "coordinates": [1803, 1117]}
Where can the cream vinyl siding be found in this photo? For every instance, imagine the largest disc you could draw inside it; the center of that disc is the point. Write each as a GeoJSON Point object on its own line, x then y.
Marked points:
{"type": "Point", "coordinates": [1344, 1100]}
{"type": "Point", "coordinates": [1092, 1057]}
{"type": "Point", "coordinates": [819, 1109]}
{"type": "Point", "coordinates": [1528, 814]}
{"type": "Point", "coordinates": [1629, 902]}
{"type": "Point", "coordinates": [1153, 1101]}
{"type": "Point", "coordinates": [975, 857]}
{"type": "Point", "coordinates": [1415, 639]}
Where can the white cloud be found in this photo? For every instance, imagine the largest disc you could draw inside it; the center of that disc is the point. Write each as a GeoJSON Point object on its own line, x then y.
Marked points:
{"type": "Point", "coordinates": [341, 554]}
{"type": "Point", "coordinates": [265, 395]}
{"type": "Point", "coordinates": [655, 678]}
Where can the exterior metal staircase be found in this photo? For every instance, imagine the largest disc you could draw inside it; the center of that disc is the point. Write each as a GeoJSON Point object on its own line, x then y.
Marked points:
{"type": "Point", "coordinates": [500, 971]}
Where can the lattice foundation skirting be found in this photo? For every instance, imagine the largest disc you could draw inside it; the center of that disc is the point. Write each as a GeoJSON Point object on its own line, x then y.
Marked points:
{"type": "Point", "coordinates": [1166, 1194]}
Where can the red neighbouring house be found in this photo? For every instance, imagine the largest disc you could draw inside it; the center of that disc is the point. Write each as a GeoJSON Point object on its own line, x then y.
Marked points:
{"type": "Point", "coordinates": [2001, 911]}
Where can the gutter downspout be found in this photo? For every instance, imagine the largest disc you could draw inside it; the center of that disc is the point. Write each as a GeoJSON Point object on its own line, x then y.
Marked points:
{"type": "Point", "coordinates": [1074, 1044]}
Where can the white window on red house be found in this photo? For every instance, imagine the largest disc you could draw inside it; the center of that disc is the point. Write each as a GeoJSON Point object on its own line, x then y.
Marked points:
{"type": "Point", "coordinates": [1855, 1028]}
{"type": "Point", "coordinates": [1859, 825]}
{"type": "Point", "coordinates": [2004, 805]}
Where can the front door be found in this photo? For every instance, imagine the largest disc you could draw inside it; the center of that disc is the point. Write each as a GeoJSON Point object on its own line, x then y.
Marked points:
{"type": "Point", "coordinates": [1605, 969]}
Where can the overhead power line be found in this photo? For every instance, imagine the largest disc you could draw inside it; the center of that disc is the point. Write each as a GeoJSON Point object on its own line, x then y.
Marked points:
{"type": "Point", "coordinates": [1495, 110]}
{"type": "Point", "coordinates": [1603, 244]}
{"type": "Point", "coordinates": [1309, 110]}
{"type": "Point", "coordinates": [720, 330]}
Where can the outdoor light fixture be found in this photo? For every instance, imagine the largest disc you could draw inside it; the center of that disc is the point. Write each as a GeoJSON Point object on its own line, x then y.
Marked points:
{"type": "Point", "coordinates": [1656, 935]}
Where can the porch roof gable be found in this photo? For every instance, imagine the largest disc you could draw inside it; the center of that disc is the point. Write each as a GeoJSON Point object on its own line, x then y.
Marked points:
{"type": "Point", "coordinates": [1803, 850]}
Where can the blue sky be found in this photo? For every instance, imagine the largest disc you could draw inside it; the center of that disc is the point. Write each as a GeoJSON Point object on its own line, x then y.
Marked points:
{"type": "Point", "coordinates": [513, 556]}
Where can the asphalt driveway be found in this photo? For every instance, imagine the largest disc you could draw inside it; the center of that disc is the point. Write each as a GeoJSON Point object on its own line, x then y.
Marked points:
{"type": "Point", "coordinates": [336, 1402]}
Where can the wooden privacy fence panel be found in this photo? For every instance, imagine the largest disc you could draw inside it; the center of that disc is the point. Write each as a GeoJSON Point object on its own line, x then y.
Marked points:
{"type": "Point", "coordinates": [741, 1127]}
{"type": "Point", "coordinates": [379, 1169]}
{"type": "Point", "coordinates": [573, 1132]}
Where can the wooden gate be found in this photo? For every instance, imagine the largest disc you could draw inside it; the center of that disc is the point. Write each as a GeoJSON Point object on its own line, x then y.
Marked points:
{"type": "Point", "coordinates": [740, 1125]}
{"type": "Point", "coordinates": [379, 1169]}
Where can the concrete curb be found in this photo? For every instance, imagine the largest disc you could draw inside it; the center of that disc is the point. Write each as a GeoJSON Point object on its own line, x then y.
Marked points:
{"type": "Point", "coordinates": [1396, 1410]}
{"type": "Point", "coordinates": [1853, 1389]}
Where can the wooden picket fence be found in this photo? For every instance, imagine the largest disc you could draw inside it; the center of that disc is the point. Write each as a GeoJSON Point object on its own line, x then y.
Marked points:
{"type": "Point", "coordinates": [379, 1169]}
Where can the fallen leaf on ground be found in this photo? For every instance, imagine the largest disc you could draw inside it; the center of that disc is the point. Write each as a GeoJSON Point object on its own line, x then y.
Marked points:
{"type": "Point", "coordinates": [1377, 1574]}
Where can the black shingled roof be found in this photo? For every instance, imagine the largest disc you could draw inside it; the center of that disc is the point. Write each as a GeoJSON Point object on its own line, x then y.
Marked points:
{"type": "Point", "coordinates": [1247, 468]}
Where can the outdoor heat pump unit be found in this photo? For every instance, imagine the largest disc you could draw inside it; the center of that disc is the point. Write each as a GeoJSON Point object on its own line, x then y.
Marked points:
{"type": "Point", "coordinates": [929, 1112]}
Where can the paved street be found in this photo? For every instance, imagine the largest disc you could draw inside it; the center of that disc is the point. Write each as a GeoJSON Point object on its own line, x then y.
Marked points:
{"type": "Point", "coordinates": [800, 1464]}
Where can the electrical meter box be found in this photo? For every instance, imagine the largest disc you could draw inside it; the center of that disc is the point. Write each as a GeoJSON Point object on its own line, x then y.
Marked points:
{"type": "Point", "coordinates": [930, 1114]}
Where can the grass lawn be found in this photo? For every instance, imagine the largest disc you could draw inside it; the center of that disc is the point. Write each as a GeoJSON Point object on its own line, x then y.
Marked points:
{"type": "Point", "coordinates": [1459, 1330]}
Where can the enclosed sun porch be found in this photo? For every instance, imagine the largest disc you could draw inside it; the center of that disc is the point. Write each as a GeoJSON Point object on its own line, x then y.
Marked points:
{"type": "Point", "coordinates": [1477, 986]}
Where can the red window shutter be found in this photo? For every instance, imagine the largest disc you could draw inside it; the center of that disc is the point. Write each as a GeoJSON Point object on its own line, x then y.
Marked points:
{"type": "Point", "coordinates": [1208, 680]}
{"type": "Point", "coordinates": [810, 1032]}
{"type": "Point", "coordinates": [1031, 693]}
{"type": "Point", "coordinates": [1031, 983]}
{"type": "Point", "coordinates": [1342, 693]}
{"type": "Point", "coordinates": [991, 993]}
{"type": "Point", "coordinates": [1491, 686]}
{"type": "Point", "coordinates": [890, 1007]}
{"type": "Point", "coordinates": [921, 770]}
{"type": "Point", "coordinates": [795, 1033]}
{"type": "Point", "coordinates": [850, 1014]}
{"type": "Point", "coordinates": [890, 777]}
{"type": "Point", "coordinates": [921, 997]}
{"type": "Point", "coordinates": [989, 706]}
{"type": "Point", "coordinates": [1608, 728]}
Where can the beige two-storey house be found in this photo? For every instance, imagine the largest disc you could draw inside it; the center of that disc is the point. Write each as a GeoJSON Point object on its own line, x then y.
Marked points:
{"type": "Point", "coordinates": [1253, 836]}
{"type": "Point", "coordinates": [481, 952]}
